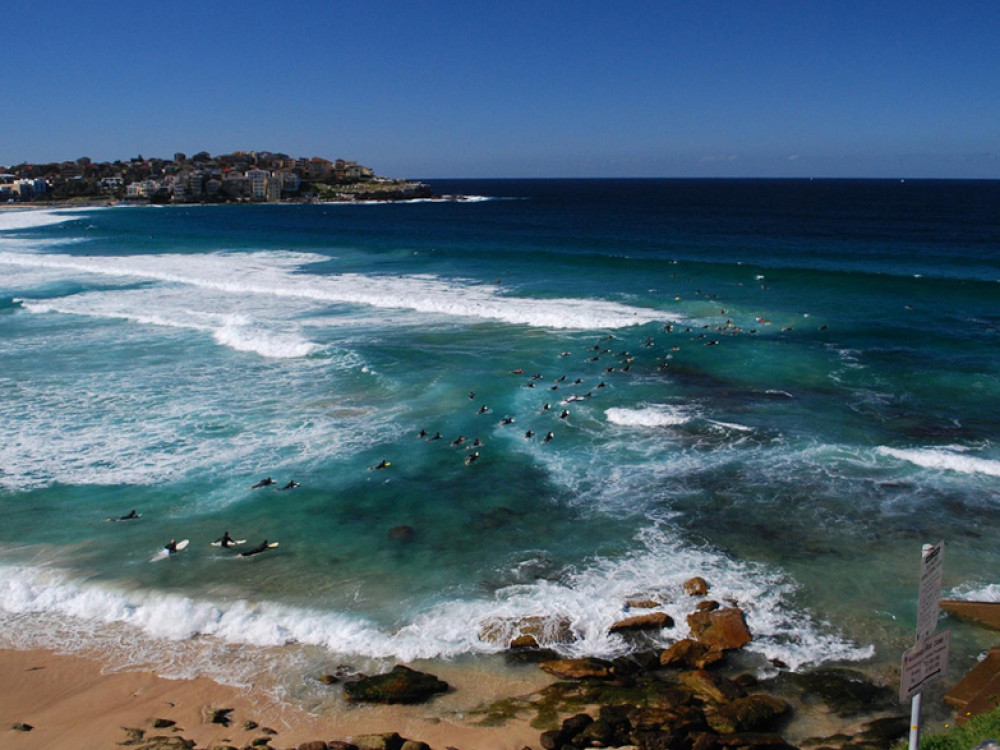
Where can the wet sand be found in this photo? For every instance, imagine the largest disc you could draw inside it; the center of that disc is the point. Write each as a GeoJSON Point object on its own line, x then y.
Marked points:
{"type": "Point", "coordinates": [72, 705]}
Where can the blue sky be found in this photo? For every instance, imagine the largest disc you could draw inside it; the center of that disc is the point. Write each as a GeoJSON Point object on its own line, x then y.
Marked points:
{"type": "Point", "coordinates": [461, 88]}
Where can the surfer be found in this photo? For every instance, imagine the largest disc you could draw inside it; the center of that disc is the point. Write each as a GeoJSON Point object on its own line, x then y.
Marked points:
{"type": "Point", "coordinates": [458, 441]}
{"type": "Point", "coordinates": [225, 540]}
{"type": "Point", "coordinates": [548, 437]}
{"type": "Point", "coordinates": [483, 409]}
{"type": "Point", "coordinates": [472, 395]}
{"type": "Point", "coordinates": [471, 457]}
{"type": "Point", "coordinates": [292, 484]}
{"type": "Point", "coordinates": [437, 436]}
{"type": "Point", "coordinates": [383, 464]}
{"type": "Point", "coordinates": [262, 547]}
{"type": "Point", "coordinates": [130, 516]}
{"type": "Point", "coordinates": [565, 413]}
{"type": "Point", "coordinates": [171, 546]}
{"type": "Point", "coordinates": [528, 435]}
{"type": "Point", "coordinates": [422, 434]}
{"type": "Point", "coordinates": [262, 483]}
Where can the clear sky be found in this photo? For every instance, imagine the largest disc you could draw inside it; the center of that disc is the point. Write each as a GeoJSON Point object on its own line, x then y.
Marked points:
{"type": "Point", "coordinates": [518, 88]}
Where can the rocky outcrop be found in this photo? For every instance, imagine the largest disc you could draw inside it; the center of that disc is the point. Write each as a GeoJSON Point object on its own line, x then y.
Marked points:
{"type": "Point", "coordinates": [696, 586]}
{"type": "Point", "coordinates": [401, 685]}
{"type": "Point", "coordinates": [578, 669]}
{"type": "Point", "coordinates": [754, 713]}
{"type": "Point", "coordinates": [652, 621]}
{"type": "Point", "coordinates": [721, 629]}
{"type": "Point", "coordinates": [385, 741]}
{"type": "Point", "coordinates": [690, 654]}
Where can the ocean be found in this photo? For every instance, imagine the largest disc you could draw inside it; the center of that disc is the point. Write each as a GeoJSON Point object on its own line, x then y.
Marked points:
{"type": "Point", "coordinates": [783, 386]}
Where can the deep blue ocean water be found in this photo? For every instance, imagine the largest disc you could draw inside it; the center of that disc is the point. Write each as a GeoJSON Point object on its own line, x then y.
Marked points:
{"type": "Point", "coordinates": [786, 387]}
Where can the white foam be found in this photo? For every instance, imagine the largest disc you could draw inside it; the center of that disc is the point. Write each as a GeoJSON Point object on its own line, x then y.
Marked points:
{"type": "Point", "coordinates": [13, 219]}
{"type": "Point", "coordinates": [251, 330]}
{"type": "Point", "coordinates": [277, 274]}
{"type": "Point", "coordinates": [989, 592]}
{"type": "Point", "coordinates": [944, 460]}
{"type": "Point", "coordinates": [590, 600]}
{"type": "Point", "coordinates": [655, 415]}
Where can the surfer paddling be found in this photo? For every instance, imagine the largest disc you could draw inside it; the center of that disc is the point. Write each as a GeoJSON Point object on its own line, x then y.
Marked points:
{"type": "Point", "coordinates": [130, 516]}
{"type": "Point", "coordinates": [262, 547]}
{"type": "Point", "coordinates": [265, 482]}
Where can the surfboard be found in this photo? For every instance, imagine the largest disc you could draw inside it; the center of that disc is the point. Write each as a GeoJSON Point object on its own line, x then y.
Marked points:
{"type": "Point", "coordinates": [233, 543]}
{"type": "Point", "coordinates": [133, 518]}
{"type": "Point", "coordinates": [272, 545]}
{"type": "Point", "coordinates": [164, 553]}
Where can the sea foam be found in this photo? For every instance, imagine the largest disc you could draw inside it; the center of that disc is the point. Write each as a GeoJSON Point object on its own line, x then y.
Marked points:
{"type": "Point", "coordinates": [279, 274]}
{"type": "Point", "coordinates": [657, 415]}
{"type": "Point", "coordinates": [944, 460]}
{"type": "Point", "coordinates": [590, 599]}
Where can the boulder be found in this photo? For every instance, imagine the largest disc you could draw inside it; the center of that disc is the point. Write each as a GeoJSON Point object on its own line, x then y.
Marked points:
{"type": "Point", "coordinates": [401, 685]}
{"type": "Point", "coordinates": [577, 669]}
{"type": "Point", "coordinates": [20, 726]}
{"type": "Point", "coordinates": [675, 719]}
{"type": "Point", "coordinates": [555, 739]}
{"type": "Point", "coordinates": [163, 723]}
{"type": "Point", "coordinates": [845, 691]}
{"type": "Point", "coordinates": [642, 602]}
{"type": "Point", "coordinates": [652, 621]}
{"type": "Point", "coordinates": [696, 586]}
{"type": "Point", "coordinates": [220, 716]}
{"type": "Point", "coordinates": [690, 654]}
{"type": "Point", "coordinates": [708, 605]}
{"type": "Point", "coordinates": [314, 745]}
{"type": "Point", "coordinates": [340, 745]}
{"type": "Point", "coordinates": [755, 713]}
{"type": "Point", "coordinates": [711, 687]}
{"type": "Point", "coordinates": [722, 630]}
{"type": "Point", "coordinates": [415, 745]}
{"type": "Point", "coordinates": [385, 741]}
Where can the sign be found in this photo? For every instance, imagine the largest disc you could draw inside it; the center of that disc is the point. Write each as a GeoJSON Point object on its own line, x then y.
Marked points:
{"type": "Point", "coordinates": [923, 664]}
{"type": "Point", "coordinates": [931, 569]}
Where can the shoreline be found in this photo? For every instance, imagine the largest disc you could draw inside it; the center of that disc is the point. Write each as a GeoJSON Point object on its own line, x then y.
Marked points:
{"type": "Point", "coordinates": [71, 703]}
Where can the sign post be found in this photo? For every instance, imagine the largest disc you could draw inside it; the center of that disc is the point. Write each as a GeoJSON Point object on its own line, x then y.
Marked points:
{"type": "Point", "coordinates": [927, 661]}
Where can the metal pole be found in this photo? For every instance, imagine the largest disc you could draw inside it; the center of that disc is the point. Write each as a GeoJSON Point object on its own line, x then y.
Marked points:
{"type": "Point", "coordinates": [915, 722]}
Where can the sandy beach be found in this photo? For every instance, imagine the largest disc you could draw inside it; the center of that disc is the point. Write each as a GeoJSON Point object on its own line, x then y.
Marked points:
{"type": "Point", "coordinates": [72, 705]}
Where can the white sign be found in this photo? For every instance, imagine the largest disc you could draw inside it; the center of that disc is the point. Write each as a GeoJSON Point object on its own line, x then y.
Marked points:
{"type": "Point", "coordinates": [931, 568]}
{"type": "Point", "coordinates": [923, 664]}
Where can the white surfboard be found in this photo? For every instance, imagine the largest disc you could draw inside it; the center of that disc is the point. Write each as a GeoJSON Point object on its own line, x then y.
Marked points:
{"type": "Point", "coordinates": [164, 553]}
{"type": "Point", "coordinates": [233, 543]}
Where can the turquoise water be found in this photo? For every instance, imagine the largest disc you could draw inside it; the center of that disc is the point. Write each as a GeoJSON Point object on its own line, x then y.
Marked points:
{"type": "Point", "coordinates": [812, 391]}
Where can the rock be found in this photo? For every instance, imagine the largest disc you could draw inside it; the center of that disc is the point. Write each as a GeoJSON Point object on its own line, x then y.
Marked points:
{"type": "Point", "coordinates": [543, 631]}
{"type": "Point", "coordinates": [754, 713]}
{"type": "Point", "coordinates": [577, 669]}
{"type": "Point", "coordinates": [555, 739]}
{"type": "Point", "coordinates": [722, 630]}
{"type": "Point", "coordinates": [679, 720]}
{"type": "Point", "coordinates": [689, 653]}
{"type": "Point", "coordinates": [742, 741]}
{"type": "Point", "coordinates": [524, 641]}
{"type": "Point", "coordinates": [20, 726]}
{"type": "Point", "coordinates": [696, 586]}
{"type": "Point", "coordinates": [652, 621]}
{"type": "Point", "coordinates": [886, 731]}
{"type": "Point", "coordinates": [268, 730]}
{"type": "Point", "coordinates": [401, 685]}
{"type": "Point", "coordinates": [387, 741]}
{"type": "Point", "coordinates": [709, 605]}
{"type": "Point", "coordinates": [402, 533]}
{"type": "Point", "coordinates": [340, 745]}
{"type": "Point", "coordinates": [328, 679]}
{"type": "Point", "coordinates": [220, 716]}
{"type": "Point", "coordinates": [845, 691]}
{"type": "Point", "coordinates": [314, 745]}
{"type": "Point", "coordinates": [639, 602]}
{"type": "Point", "coordinates": [249, 726]}
{"type": "Point", "coordinates": [162, 723]}
{"type": "Point", "coordinates": [260, 741]}
{"type": "Point", "coordinates": [415, 745]}
{"type": "Point", "coordinates": [711, 686]}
